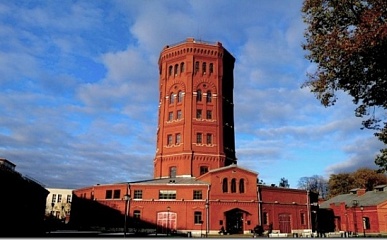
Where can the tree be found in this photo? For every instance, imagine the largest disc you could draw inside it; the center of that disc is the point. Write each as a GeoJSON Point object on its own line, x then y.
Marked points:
{"type": "Point", "coordinates": [284, 183]}
{"type": "Point", "coordinates": [315, 184]}
{"type": "Point", "coordinates": [362, 178]}
{"type": "Point", "coordinates": [340, 183]}
{"type": "Point", "coordinates": [347, 40]}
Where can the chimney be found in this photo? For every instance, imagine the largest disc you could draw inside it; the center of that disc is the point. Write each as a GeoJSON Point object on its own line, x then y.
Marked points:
{"type": "Point", "coordinates": [361, 191]}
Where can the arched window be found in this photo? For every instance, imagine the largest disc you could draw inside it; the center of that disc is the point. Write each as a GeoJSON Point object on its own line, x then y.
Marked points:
{"type": "Point", "coordinates": [196, 67]}
{"type": "Point", "coordinates": [209, 96]}
{"type": "Point", "coordinates": [172, 98]}
{"type": "Point", "coordinates": [182, 67]}
{"type": "Point", "coordinates": [180, 96]}
{"type": "Point", "coordinates": [176, 69]}
{"type": "Point", "coordinates": [225, 185]}
{"type": "Point", "coordinates": [204, 67]}
{"type": "Point", "coordinates": [170, 71]}
{"type": "Point", "coordinates": [199, 95]}
{"type": "Point", "coordinates": [211, 68]}
{"type": "Point", "coordinates": [172, 172]}
{"type": "Point", "coordinates": [241, 186]}
{"type": "Point", "coordinates": [233, 185]}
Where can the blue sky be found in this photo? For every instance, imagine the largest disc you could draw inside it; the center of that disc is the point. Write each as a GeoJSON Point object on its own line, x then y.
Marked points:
{"type": "Point", "coordinates": [79, 89]}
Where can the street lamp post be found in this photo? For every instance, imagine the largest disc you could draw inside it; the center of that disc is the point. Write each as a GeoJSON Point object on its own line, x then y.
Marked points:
{"type": "Point", "coordinates": [363, 220]}
{"type": "Point", "coordinates": [126, 199]}
{"type": "Point", "coordinates": [168, 209]}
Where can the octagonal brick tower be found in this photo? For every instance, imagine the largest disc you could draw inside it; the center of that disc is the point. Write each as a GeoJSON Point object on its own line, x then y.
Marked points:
{"type": "Point", "coordinates": [196, 112]}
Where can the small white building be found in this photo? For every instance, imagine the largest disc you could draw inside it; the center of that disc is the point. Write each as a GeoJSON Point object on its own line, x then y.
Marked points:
{"type": "Point", "coordinates": [58, 203]}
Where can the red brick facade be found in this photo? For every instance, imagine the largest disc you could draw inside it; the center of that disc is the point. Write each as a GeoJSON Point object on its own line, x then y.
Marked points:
{"type": "Point", "coordinates": [197, 186]}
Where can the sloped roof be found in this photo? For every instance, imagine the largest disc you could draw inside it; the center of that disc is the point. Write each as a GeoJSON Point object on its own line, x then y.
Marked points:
{"type": "Point", "coordinates": [176, 181]}
{"type": "Point", "coordinates": [231, 166]}
{"type": "Point", "coordinates": [370, 198]}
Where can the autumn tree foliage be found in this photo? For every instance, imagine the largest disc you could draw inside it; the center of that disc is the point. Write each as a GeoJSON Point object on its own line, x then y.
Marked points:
{"type": "Point", "coordinates": [347, 40]}
{"type": "Point", "coordinates": [365, 178]}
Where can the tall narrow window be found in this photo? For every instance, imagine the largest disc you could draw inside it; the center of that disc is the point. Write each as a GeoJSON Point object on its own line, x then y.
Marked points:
{"type": "Point", "coordinates": [68, 199]}
{"type": "Point", "coordinates": [109, 194]}
{"type": "Point", "coordinates": [172, 98]}
{"type": "Point", "coordinates": [225, 185]}
{"type": "Point", "coordinates": [176, 68]}
{"type": "Point", "coordinates": [169, 139]}
{"type": "Point", "coordinates": [182, 67]}
{"type": "Point", "coordinates": [198, 217]}
{"type": "Point", "coordinates": [59, 198]}
{"type": "Point", "coordinates": [53, 198]}
{"type": "Point", "coordinates": [241, 185]}
{"type": "Point", "coordinates": [302, 217]}
{"type": "Point", "coordinates": [172, 172]}
{"type": "Point", "coordinates": [204, 66]}
{"type": "Point", "coordinates": [209, 114]}
{"type": "Point", "coordinates": [117, 193]}
{"type": "Point", "coordinates": [209, 96]}
{"type": "Point", "coordinates": [233, 185]}
{"type": "Point", "coordinates": [199, 114]}
{"type": "Point", "coordinates": [179, 116]}
{"type": "Point", "coordinates": [180, 96]}
{"type": "Point", "coordinates": [211, 68]}
{"type": "Point", "coordinates": [199, 95]}
{"type": "Point", "coordinates": [170, 69]}
{"type": "Point", "coordinates": [196, 67]}
{"type": "Point", "coordinates": [170, 116]}
{"type": "Point", "coordinates": [199, 137]}
{"type": "Point", "coordinates": [209, 138]}
{"type": "Point", "coordinates": [178, 139]}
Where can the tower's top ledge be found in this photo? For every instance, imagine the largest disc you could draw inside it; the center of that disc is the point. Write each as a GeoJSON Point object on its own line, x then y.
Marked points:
{"type": "Point", "coordinates": [193, 40]}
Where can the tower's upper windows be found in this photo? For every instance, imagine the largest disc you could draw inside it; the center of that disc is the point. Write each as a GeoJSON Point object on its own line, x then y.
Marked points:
{"type": "Point", "coordinates": [178, 139]}
{"type": "Point", "coordinates": [199, 138]}
{"type": "Point", "coordinates": [196, 66]}
{"type": "Point", "coordinates": [172, 172]}
{"type": "Point", "coordinates": [211, 68]}
{"type": "Point", "coordinates": [209, 114]}
{"type": "Point", "coordinates": [169, 139]}
{"type": "Point", "coordinates": [170, 70]}
{"type": "Point", "coordinates": [209, 138]}
{"type": "Point", "coordinates": [172, 98]}
{"type": "Point", "coordinates": [182, 67]}
{"type": "Point", "coordinates": [209, 97]}
{"type": "Point", "coordinates": [199, 95]}
{"type": "Point", "coordinates": [180, 96]}
{"type": "Point", "coordinates": [179, 114]}
{"type": "Point", "coordinates": [204, 67]}
{"type": "Point", "coordinates": [176, 69]}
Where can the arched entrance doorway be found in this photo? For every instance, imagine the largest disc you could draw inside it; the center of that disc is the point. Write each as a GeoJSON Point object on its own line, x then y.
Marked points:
{"type": "Point", "coordinates": [234, 221]}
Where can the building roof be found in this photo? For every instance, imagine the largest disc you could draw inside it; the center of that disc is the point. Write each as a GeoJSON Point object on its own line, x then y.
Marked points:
{"type": "Point", "coordinates": [232, 166]}
{"type": "Point", "coordinates": [370, 198]}
{"type": "Point", "coordinates": [175, 181]}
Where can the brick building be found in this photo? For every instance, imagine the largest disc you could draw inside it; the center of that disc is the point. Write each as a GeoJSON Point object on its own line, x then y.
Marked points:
{"type": "Point", "coordinates": [198, 186]}
{"type": "Point", "coordinates": [359, 212]}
